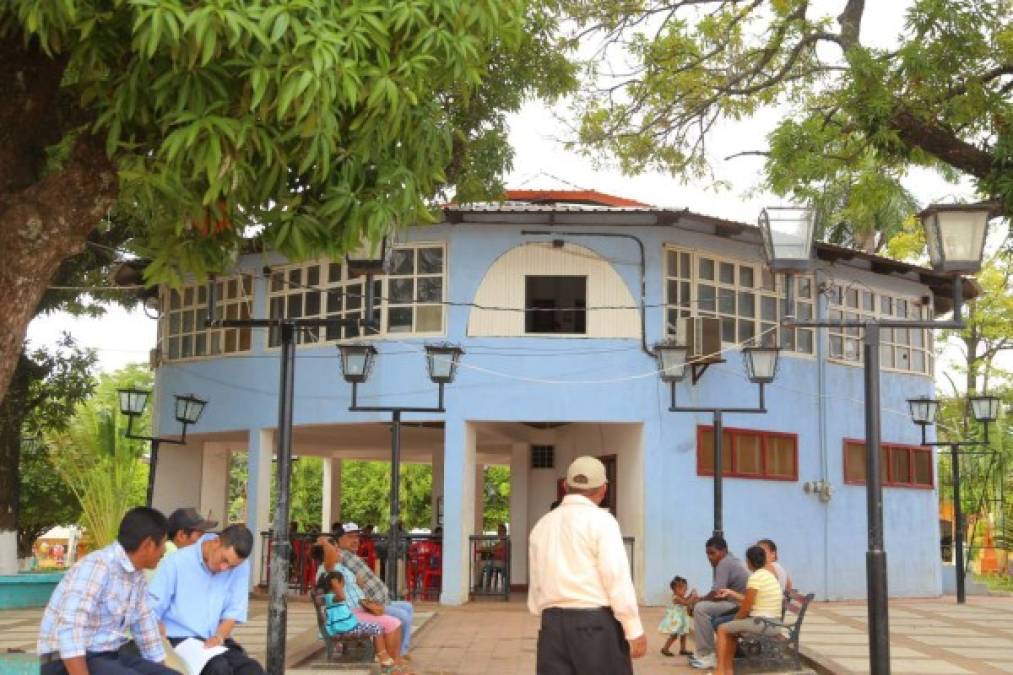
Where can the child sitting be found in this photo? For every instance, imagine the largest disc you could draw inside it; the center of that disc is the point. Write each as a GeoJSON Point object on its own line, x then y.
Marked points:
{"type": "Point", "coordinates": [339, 619]}
{"type": "Point", "coordinates": [675, 623]}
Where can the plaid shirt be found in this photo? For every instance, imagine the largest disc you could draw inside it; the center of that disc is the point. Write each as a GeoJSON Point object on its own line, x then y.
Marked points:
{"type": "Point", "coordinates": [97, 605]}
{"type": "Point", "coordinates": [375, 589]}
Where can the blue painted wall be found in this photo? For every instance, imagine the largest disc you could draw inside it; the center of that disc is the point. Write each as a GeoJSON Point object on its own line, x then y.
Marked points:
{"type": "Point", "coordinates": [822, 544]}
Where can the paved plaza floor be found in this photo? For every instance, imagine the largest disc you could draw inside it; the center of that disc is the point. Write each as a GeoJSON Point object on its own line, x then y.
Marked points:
{"type": "Point", "coordinates": [928, 636]}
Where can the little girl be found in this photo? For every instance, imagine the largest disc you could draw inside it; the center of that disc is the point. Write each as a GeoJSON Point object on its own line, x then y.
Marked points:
{"type": "Point", "coordinates": [676, 623]}
{"type": "Point", "coordinates": [340, 620]}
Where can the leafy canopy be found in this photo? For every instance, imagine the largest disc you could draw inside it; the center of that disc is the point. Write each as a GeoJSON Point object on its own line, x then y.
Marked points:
{"type": "Point", "coordinates": [316, 123]}
{"type": "Point", "coordinates": [855, 118]}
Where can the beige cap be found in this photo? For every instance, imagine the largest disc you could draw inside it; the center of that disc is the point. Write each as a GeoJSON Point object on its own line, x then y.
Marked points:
{"type": "Point", "coordinates": [586, 473]}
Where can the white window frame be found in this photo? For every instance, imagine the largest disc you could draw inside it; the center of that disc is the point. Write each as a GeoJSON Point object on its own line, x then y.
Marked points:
{"type": "Point", "coordinates": [762, 287]}
{"type": "Point", "coordinates": [382, 302]}
{"type": "Point", "coordinates": [840, 306]}
{"type": "Point", "coordinates": [233, 302]}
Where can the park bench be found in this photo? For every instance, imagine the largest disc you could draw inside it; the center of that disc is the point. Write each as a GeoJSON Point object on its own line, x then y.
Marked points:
{"type": "Point", "coordinates": [343, 648]}
{"type": "Point", "coordinates": [777, 650]}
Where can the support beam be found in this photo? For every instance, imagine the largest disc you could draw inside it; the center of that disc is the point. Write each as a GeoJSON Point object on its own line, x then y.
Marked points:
{"type": "Point", "coordinates": [258, 493]}
{"type": "Point", "coordinates": [437, 491]}
{"type": "Point", "coordinates": [459, 509]}
{"type": "Point", "coordinates": [331, 502]}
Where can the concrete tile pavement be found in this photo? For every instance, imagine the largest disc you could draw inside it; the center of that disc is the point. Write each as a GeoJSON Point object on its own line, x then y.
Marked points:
{"type": "Point", "coordinates": [926, 636]}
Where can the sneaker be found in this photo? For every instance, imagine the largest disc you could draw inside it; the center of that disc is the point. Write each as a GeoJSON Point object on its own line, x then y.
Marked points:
{"type": "Point", "coordinates": [703, 662]}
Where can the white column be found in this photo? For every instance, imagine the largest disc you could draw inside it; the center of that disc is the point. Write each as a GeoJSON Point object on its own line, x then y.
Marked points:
{"type": "Point", "coordinates": [331, 502]}
{"type": "Point", "coordinates": [214, 482]}
{"type": "Point", "coordinates": [479, 498]}
{"type": "Point", "coordinates": [258, 493]}
{"type": "Point", "coordinates": [519, 453]}
{"type": "Point", "coordinates": [175, 473]}
{"type": "Point", "coordinates": [459, 509]}
{"type": "Point", "coordinates": [437, 494]}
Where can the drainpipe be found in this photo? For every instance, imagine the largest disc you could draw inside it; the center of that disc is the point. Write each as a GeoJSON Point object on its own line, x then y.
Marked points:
{"type": "Point", "coordinates": [643, 271]}
{"type": "Point", "coordinates": [821, 384]}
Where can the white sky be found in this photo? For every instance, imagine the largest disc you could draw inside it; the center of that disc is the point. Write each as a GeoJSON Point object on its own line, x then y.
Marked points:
{"type": "Point", "coordinates": [542, 162]}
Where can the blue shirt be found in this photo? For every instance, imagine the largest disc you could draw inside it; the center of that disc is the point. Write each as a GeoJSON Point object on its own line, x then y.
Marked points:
{"type": "Point", "coordinates": [190, 600]}
{"type": "Point", "coordinates": [353, 594]}
{"type": "Point", "coordinates": [97, 604]}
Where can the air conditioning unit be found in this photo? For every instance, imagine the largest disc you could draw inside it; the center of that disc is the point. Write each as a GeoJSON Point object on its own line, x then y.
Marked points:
{"type": "Point", "coordinates": [703, 337]}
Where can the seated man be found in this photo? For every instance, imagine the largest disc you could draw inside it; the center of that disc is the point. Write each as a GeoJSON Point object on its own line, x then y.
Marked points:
{"type": "Point", "coordinates": [364, 609]}
{"type": "Point", "coordinates": [729, 573]}
{"type": "Point", "coordinates": [186, 526]}
{"type": "Point", "coordinates": [495, 565]}
{"type": "Point", "coordinates": [774, 563]}
{"type": "Point", "coordinates": [202, 592]}
{"type": "Point", "coordinates": [375, 590]}
{"type": "Point", "coordinates": [83, 627]}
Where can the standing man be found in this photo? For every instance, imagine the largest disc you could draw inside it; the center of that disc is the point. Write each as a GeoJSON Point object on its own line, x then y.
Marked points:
{"type": "Point", "coordinates": [729, 573]}
{"type": "Point", "coordinates": [580, 583]}
{"type": "Point", "coordinates": [202, 592]}
{"type": "Point", "coordinates": [374, 589]}
{"type": "Point", "coordinates": [84, 626]}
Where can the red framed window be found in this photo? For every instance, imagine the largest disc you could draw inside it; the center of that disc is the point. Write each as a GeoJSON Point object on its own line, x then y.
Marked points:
{"type": "Point", "coordinates": [900, 465]}
{"type": "Point", "coordinates": [748, 453]}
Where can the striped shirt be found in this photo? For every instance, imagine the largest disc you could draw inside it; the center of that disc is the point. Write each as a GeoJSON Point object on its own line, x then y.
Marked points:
{"type": "Point", "coordinates": [768, 594]}
{"type": "Point", "coordinates": [97, 605]}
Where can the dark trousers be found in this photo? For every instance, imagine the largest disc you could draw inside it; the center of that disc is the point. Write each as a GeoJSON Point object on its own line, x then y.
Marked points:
{"type": "Point", "coordinates": [126, 661]}
{"type": "Point", "coordinates": [582, 642]}
{"type": "Point", "coordinates": [233, 662]}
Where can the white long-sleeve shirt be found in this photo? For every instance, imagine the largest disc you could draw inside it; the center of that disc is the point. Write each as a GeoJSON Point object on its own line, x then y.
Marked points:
{"type": "Point", "coordinates": [577, 559]}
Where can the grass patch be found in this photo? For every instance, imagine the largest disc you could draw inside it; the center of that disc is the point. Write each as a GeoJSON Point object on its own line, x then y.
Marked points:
{"type": "Point", "coordinates": [996, 582]}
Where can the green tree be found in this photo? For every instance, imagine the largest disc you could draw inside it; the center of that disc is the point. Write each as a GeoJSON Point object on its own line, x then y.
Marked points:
{"type": "Point", "coordinates": [93, 457]}
{"type": "Point", "coordinates": [496, 500]}
{"type": "Point", "coordinates": [309, 125]}
{"type": "Point", "coordinates": [855, 117]}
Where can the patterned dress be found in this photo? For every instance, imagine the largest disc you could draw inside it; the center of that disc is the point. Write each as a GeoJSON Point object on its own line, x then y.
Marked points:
{"type": "Point", "coordinates": [675, 622]}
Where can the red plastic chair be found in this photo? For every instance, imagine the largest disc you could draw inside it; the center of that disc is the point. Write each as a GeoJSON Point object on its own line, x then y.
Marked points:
{"type": "Point", "coordinates": [431, 560]}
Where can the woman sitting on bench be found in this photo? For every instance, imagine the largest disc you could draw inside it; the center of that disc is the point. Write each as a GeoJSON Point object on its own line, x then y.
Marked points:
{"type": "Point", "coordinates": [341, 622]}
{"type": "Point", "coordinates": [762, 599]}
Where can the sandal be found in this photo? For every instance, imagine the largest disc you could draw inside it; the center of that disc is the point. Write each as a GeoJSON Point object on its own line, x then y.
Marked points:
{"type": "Point", "coordinates": [384, 659]}
{"type": "Point", "coordinates": [666, 652]}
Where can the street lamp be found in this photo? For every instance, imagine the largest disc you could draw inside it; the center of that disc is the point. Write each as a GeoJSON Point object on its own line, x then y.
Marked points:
{"type": "Point", "coordinates": [955, 236]}
{"type": "Point", "coordinates": [132, 404]}
{"type": "Point", "coordinates": [369, 261]}
{"type": "Point", "coordinates": [923, 413]}
{"type": "Point", "coordinates": [761, 367]}
{"type": "Point", "coordinates": [356, 364]}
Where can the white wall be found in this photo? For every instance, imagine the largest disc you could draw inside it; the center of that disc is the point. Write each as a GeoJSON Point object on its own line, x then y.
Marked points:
{"type": "Point", "coordinates": [178, 476]}
{"type": "Point", "coordinates": [214, 484]}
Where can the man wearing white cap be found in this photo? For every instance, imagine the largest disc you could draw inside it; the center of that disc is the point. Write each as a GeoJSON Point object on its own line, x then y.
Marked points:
{"type": "Point", "coordinates": [579, 582]}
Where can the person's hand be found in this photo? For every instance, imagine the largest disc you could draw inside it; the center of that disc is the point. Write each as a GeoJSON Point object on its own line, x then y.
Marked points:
{"type": "Point", "coordinates": [721, 593]}
{"type": "Point", "coordinates": [214, 641]}
{"type": "Point", "coordinates": [638, 646]}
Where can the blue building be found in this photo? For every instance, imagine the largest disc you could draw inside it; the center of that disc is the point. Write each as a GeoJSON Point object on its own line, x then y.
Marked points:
{"type": "Point", "coordinates": [555, 298]}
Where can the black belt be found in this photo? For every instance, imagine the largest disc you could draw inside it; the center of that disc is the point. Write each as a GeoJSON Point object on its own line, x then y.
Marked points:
{"type": "Point", "coordinates": [51, 657]}
{"type": "Point", "coordinates": [577, 609]}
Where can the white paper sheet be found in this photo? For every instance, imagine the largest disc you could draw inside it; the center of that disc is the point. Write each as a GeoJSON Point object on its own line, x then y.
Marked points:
{"type": "Point", "coordinates": [195, 655]}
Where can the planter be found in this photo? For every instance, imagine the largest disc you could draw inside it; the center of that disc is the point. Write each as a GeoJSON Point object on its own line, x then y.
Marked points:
{"type": "Point", "coordinates": [27, 590]}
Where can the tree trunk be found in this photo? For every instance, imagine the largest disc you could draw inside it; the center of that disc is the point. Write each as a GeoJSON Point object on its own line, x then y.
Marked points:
{"type": "Point", "coordinates": [12, 416]}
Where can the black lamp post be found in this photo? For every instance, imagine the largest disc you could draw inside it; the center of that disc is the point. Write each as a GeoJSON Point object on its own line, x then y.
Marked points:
{"type": "Point", "coordinates": [356, 364]}
{"type": "Point", "coordinates": [761, 368]}
{"type": "Point", "coordinates": [955, 237]}
{"type": "Point", "coordinates": [923, 413]}
{"type": "Point", "coordinates": [132, 404]}
{"type": "Point", "coordinates": [371, 261]}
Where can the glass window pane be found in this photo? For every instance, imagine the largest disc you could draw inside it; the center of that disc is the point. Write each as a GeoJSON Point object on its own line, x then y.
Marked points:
{"type": "Point", "coordinates": [851, 297]}
{"type": "Point", "coordinates": [312, 304]}
{"type": "Point", "coordinates": [186, 346]}
{"type": "Point", "coordinates": [174, 321]}
{"type": "Point", "coordinates": [671, 322]}
{"type": "Point", "coordinates": [334, 304]}
{"type": "Point", "coordinates": [673, 291]}
{"type": "Point", "coordinates": [766, 280]}
{"type": "Point", "coordinates": [900, 465]}
{"type": "Point", "coordinates": [854, 462]}
{"type": "Point", "coordinates": [868, 301]}
{"type": "Point", "coordinates": [232, 311]}
{"type": "Point", "coordinates": [746, 276]}
{"type": "Point", "coordinates": [922, 467]}
{"type": "Point", "coordinates": [900, 308]}
{"type": "Point", "coordinates": [399, 320]}
{"type": "Point", "coordinates": [803, 310]}
{"type": "Point", "coordinates": [805, 287]}
{"type": "Point", "coordinates": [748, 454]}
{"type": "Point", "coordinates": [726, 301]}
{"type": "Point", "coordinates": [851, 350]}
{"type": "Point", "coordinates": [747, 330]}
{"type": "Point", "coordinates": [334, 273]}
{"type": "Point", "coordinates": [429, 289]}
{"type": "Point", "coordinates": [232, 289]}
{"type": "Point", "coordinates": [684, 295]}
{"type": "Point", "coordinates": [294, 306]}
{"type": "Point", "coordinates": [295, 277]}
{"type": "Point", "coordinates": [917, 361]}
{"type": "Point", "coordinates": [175, 300]}
{"type": "Point", "coordinates": [244, 339]}
{"type": "Point", "coordinates": [313, 275]}
{"type": "Point", "coordinates": [727, 272]}
{"type": "Point", "coordinates": [885, 305]}
{"type": "Point", "coordinates": [747, 304]}
{"type": "Point", "coordinates": [187, 322]}
{"type": "Point", "coordinates": [768, 332]}
{"type": "Point", "coordinates": [174, 348]}
{"type": "Point", "coordinates": [886, 356]}
{"type": "Point", "coordinates": [768, 308]}
{"type": "Point", "coordinates": [705, 298]}
{"type": "Point", "coordinates": [230, 341]}
{"type": "Point", "coordinates": [202, 294]}
{"type": "Point", "coordinates": [188, 296]}
{"type": "Point", "coordinates": [430, 260]}
{"type": "Point", "coordinates": [672, 263]}
{"type": "Point", "coordinates": [429, 319]}
{"type": "Point", "coordinates": [401, 291]}
{"type": "Point", "coordinates": [402, 261]}
{"type": "Point", "coordinates": [836, 347]}
{"type": "Point", "coordinates": [685, 270]}
{"type": "Point", "coordinates": [805, 341]}
{"type": "Point", "coordinates": [705, 269]}
{"type": "Point", "coordinates": [780, 456]}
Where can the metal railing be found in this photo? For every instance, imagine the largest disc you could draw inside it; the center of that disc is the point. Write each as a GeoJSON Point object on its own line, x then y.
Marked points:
{"type": "Point", "coordinates": [489, 566]}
